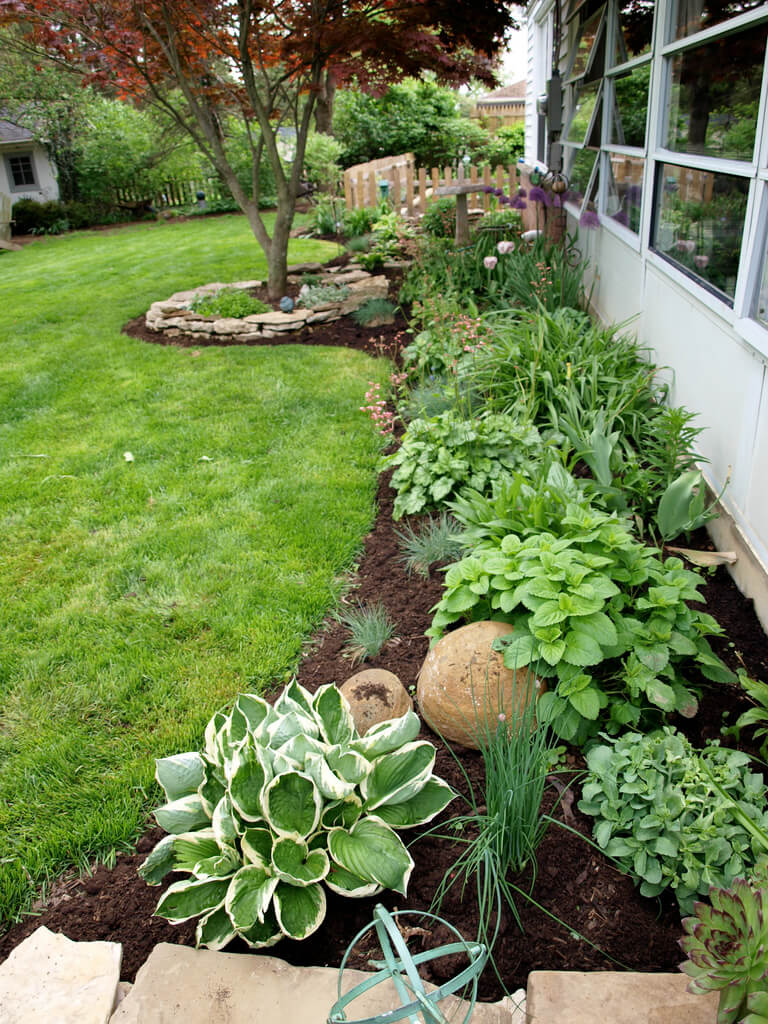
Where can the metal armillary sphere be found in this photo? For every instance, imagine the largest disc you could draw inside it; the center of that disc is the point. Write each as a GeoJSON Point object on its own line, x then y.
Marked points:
{"type": "Point", "coordinates": [400, 967]}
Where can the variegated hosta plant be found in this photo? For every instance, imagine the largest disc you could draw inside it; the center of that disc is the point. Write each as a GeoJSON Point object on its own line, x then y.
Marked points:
{"type": "Point", "coordinates": [283, 799]}
{"type": "Point", "coordinates": [727, 946]}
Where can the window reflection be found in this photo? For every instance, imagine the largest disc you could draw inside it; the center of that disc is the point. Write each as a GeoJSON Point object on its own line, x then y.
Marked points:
{"type": "Point", "coordinates": [578, 170]}
{"type": "Point", "coordinates": [762, 298]}
{"type": "Point", "coordinates": [700, 221]}
{"type": "Point", "coordinates": [583, 111]}
{"type": "Point", "coordinates": [587, 37]}
{"type": "Point", "coordinates": [628, 124]}
{"type": "Point", "coordinates": [625, 190]}
{"type": "Point", "coordinates": [635, 29]}
{"type": "Point", "coordinates": [694, 15]}
{"type": "Point", "coordinates": [715, 94]}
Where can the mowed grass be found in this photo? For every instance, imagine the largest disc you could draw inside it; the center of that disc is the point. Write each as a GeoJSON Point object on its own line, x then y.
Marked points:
{"type": "Point", "coordinates": [137, 597]}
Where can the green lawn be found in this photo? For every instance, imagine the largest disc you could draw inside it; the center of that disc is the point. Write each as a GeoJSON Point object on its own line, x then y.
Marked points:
{"type": "Point", "coordinates": [136, 598]}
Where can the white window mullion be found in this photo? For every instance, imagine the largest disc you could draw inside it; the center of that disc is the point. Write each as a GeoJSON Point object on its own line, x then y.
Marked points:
{"type": "Point", "coordinates": [656, 121]}
{"type": "Point", "coordinates": [723, 28]}
{"type": "Point", "coordinates": [716, 164]}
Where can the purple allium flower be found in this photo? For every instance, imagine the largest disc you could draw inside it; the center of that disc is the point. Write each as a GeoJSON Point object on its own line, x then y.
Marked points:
{"type": "Point", "coordinates": [621, 218]}
{"type": "Point", "coordinates": [538, 195]}
{"type": "Point", "coordinates": [498, 191]}
{"type": "Point", "coordinates": [557, 200]}
{"type": "Point", "coordinates": [505, 201]}
{"type": "Point", "coordinates": [522, 193]}
{"type": "Point", "coordinates": [487, 189]}
{"type": "Point", "coordinates": [589, 220]}
{"type": "Point", "coordinates": [518, 204]}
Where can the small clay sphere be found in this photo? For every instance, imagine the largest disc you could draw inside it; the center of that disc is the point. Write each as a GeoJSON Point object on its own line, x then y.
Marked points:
{"type": "Point", "coordinates": [375, 695]}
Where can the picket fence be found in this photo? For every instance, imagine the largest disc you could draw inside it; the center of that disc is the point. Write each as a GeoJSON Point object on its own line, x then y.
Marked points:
{"type": "Point", "coordinates": [179, 192]}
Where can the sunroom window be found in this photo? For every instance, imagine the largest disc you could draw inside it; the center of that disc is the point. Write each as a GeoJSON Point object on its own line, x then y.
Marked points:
{"type": "Point", "coordinates": [691, 16]}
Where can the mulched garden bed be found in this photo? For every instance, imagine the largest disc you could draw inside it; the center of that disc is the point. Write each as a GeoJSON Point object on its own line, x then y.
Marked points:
{"type": "Point", "coordinates": [573, 881]}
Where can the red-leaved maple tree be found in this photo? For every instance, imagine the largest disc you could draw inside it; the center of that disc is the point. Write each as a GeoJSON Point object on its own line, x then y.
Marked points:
{"type": "Point", "coordinates": [265, 61]}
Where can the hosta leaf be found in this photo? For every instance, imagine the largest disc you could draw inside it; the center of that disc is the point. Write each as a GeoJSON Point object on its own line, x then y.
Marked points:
{"type": "Point", "coordinates": [159, 862]}
{"type": "Point", "coordinates": [223, 865]}
{"type": "Point", "coordinates": [297, 748]}
{"type": "Point", "coordinates": [256, 845]}
{"type": "Point", "coordinates": [248, 774]}
{"type": "Point", "coordinates": [223, 823]}
{"type": "Point", "coordinates": [346, 884]}
{"type": "Point", "coordinates": [333, 713]}
{"type": "Point", "coordinates": [215, 931]}
{"type": "Point", "coordinates": [294, 723]}
{"type": "Point", "coordinates": [255, 709]}
{"type": "Point", "coordinates": [294, 863]}
{"type": "Point", "coordinates": [389, 735]}
{"type": "Point", "coordinates": [300, 696]}
{"type": "Point", "coordinates": [190, 898]}
{"type": "Point", "coordinates": [399, 775]}
{"type": "Point", "coordinates": [192, 847]}
{"type": "Point", "coordinates": [299, 911]}
{"type": "Point", "coordinates": [248, 896]}
{"type": "Point", "coordinates": [350, 765]}
{"type": "Point", "coordinates": [373, 852]}
{"type": "Point", "coordinates": [180, 775]}
{"type": "Point", "coordinates": [212, 729]}
{"type": "Point", "coordinates": [419, 809]}
{"type": "Point", "coordinates": [183, 815]}
{"type": "Point", "coordinates": [330, 785]}
{"type": "Point", "coordinates": [342, 813]}
{"type": "Point", "coordinates": [213, 787]}
{"type": "Point", "coordinates": [292, 804]}
{"type": "Point", "coordinates": [237, 727]}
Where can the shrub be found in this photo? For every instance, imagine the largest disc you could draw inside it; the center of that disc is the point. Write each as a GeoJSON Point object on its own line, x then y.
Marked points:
{"type": "Point", "coordinates": [229, 302]}
{"type": "Point", "coordinates": [661, 815]}
{"type": "Point", "coordinates": [360, 221]}
{"type": "Point", "coordinates": [31, 217]}
{"type": "Point", "coordinates": [321, 161]}
{"type": "Point", "coordinates": [439, 218]}
{"type": "Point", "coordinates": [282, 799]}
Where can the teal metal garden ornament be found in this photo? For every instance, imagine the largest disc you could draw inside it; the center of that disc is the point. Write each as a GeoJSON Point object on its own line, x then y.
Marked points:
{"type": "Point", "coordinates": [400, 967]}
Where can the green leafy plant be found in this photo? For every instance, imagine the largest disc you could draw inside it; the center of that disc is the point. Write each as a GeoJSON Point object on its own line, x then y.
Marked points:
{"type": "Point", "coordinates": [374, 310]}
{"type": "Point", "coordinates": [757, 691]}
{"type": "Point", "coordinates": [360, 220]}
{"type": "Point", "coordinates": [370, 628]}
{"type": "Point", "coordinates": [439, 218]}
{"type": "Point", "coordinates": [314, 295]}
{"type": "Point", "coordinates": [434, 542]}
{"type": "Point", "coordinates": [683, 506]}
{"type": "Point", "coordinates": [596, 609]}
{"type": "Point", "coordinates": [326, 216]}
{"type": "Point", "coordinates": [727, 947]}
{"type": "Point", "coordinates": [283, 799]}
{"type": "Point", "coordinates": [359, 244]}
{"type": "Point", "coordinates": [441, 455]}
{"type": "Point", "coordinates": [670, 815]}
{"type": "Point", "coordinates": [227, 302]}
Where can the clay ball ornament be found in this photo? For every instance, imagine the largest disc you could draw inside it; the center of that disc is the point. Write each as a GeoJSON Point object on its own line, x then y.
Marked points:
{"type": "Point", "coordinates": [374, 696]}
{"type": "Point", "coordinates": [286, 304]}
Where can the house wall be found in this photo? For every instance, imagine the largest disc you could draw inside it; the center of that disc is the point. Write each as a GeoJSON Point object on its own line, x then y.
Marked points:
{"type": "Point", "coordinates": [46, 186]}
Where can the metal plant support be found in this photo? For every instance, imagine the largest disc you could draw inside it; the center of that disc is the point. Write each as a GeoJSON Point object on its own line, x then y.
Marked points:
{"type": "Point", "coordinates": [401, 968]}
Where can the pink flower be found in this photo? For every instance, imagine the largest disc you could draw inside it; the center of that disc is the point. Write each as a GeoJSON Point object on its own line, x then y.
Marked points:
{"type": "Point", "coordinates": [701, 260]}
{"type": "Point", "coordinates": [505, 247]}
{"type": "Point", "coordinates": [490, 262]}
{"type": "Point", "coordinates": [686, 245]}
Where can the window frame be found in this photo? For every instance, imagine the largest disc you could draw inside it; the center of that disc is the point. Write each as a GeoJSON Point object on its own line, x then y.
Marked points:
{"type": "Point", "coordinates": [33, 186]}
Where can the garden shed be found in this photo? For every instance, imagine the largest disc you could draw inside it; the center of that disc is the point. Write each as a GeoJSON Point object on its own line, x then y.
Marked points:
{"type": "Point", "coordinates": [503, 106]}
{"type": "Point", "coordinates": [26, 171]}
{"type": "Point", "coordinates": [656, 114]}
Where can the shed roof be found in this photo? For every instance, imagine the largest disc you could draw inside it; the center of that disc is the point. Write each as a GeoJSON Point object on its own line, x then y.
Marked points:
{"type": "Point", "coordinates": [516, 91]}
{"type": "Point", "coordinates": [10, 132]}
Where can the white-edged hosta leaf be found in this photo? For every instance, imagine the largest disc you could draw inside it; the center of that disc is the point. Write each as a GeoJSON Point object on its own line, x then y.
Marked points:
{"type": "Point", "coordinates": [255, 709]}
{"type": "Point", "coordinates": [212, 749]}
{"type": "Point", "coordinates": [180, 775]}
{"type": "Point", "coordinates": [248, 896]}
{"type": "Point", "coordinates": [345, 883]}
{"type": "Point", "coordinates": [191, 897]}
{"type": "Point", "coordinates": [386, 736]}
{"type": "Point", "coordinates": [398, 776]}
{"type": "Point", "coordinates": [192, 847]}
{"type": "Point", "coordinates": [348, 764]}
{"type": "Point", "coordinates": [330, 785]}
{"type": "Point", "coordinates": [223, 865]}
{"type": "Point", "coordinates": [334, 715]}
{"type": "Point", "coordinates": [248, 774]}
{"type": "Point", "coordinates": [286, 726]}
{"type": "Point", "coordinates": [373, 852]}
{"type": "Point", "coordinates": [293, 862]}
{"type": "Point", "coordinates": [342, 813]}
{"type": "Point", "coordinates": [299, 911]}
{"type": "Point", "coordinates": [281, 763]}
{"type": "Point", "coordinates": [237, 727]}
{"type": "Point", "coordinates": [183, 815]}
{"type": "Point", "coordinates": [292, 804]}
{"type": "Point", "coordinates": [419, 809]}
{"type": "Point", "coordinates": [264, 933]}
{"type": "Point", "coordinates": [223, 823]}
{"type": "Point", "coordinates": [213, 787]}
{"type": "Point", "coordinates": [215, 931]}
{"type": "Point", "coordinates": [303, 698]}
{"type": "Point", "coordinates": [297, 748]}
{"type": "Point", "coordinates": [159, 862]}
{"type": "Point", "coordinates": [256, 844]}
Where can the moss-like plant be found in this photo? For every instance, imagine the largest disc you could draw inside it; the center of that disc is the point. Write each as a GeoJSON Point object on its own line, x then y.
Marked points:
{"type": "Point", "coordinates": [229, 302]}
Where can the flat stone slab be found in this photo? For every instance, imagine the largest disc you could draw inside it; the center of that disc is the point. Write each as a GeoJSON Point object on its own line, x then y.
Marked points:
{"type": "Point", "coordinates": [614, 997]}
{"type": "Point", "coordinates": [202, 987]}
{"type": "Point", "coordinates": [50, 978]}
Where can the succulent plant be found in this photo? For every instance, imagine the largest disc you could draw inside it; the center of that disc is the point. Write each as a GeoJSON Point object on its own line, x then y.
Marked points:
{"type": "Point", "coordinates": [727, 946]}
{"type": "Point", "coordinates": [283, 798]}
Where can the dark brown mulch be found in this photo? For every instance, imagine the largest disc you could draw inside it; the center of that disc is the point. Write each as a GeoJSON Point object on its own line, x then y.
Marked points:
{"type": "Point", "coordinates": [573, 882]}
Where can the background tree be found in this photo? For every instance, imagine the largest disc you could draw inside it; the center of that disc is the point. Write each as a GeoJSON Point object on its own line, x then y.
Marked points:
{"type": "Point", "coordinates": [261, 60]}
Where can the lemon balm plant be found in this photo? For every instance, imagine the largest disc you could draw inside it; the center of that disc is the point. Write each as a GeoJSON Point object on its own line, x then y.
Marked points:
{"type": "Point", "coordinates": [285, 800]}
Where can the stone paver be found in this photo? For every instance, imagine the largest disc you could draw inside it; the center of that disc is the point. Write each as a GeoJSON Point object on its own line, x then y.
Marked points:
{"type": "Point", "coordinates": [608, 997]}
{"type": "Point", "coordinates": [189, 986]}
{"type": "Point", "coordinates": [49, 978]}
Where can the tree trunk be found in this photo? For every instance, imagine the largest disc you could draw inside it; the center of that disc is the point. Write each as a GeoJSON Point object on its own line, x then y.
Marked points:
{"type": "Point", "coordinates": [277, 257]}
{"type": "Point", "coordinates": [324, 105]}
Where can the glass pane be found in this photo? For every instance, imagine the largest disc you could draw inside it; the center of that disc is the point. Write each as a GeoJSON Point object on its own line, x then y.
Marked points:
{"type": "Point", "coordinates": [762, 298]}
{"type": "Point", "coordinates": [628, 126]}
{"type": "Point", "coordinates": [586, 98]}
{"type": "Point", "coordinates": [579, 164]}
{"type": "Point", "coordinates": [700, 222]}
{"type": "Point", "coordinates": [625, 190]}
{"type": "Point", "coordinates": [714, 96]}
{"type": "Point", "coordinates": [587, 37]}
{"type": "Point", "coordinates": [635, 29]}
{"type": "Point", "coordinates": [694, 15]}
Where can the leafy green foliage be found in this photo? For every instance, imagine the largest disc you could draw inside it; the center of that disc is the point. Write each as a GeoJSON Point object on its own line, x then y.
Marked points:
{"type": "Point", "coordinates": [662, 811]}
{"type": "Point", "coordinates": [727, 947]}
{"type": "Point", "coordinates": [374, 309]}
{"type": "Point", "coordinates": [283, 798]}
{"type": "Point", "coordinates": [314, 295]}
{"type": "Point", "coordinates": [506, 145]}
{"type": "Point", "coordinates": [229, 302]}
{"type": "Point", "coordinates": [370, 629]}
{"type": "Point", "coordinates": [321, 161]}
{"type": "Point", "coordinates": [683, 505]}
{"type": "Point", "coordinates": [597, 610]}
{"type": "Point", "coordinates": [439, 218]}
{"type": "Point", "coordinates": [757, 691]}
{"type": "Point", "coordinates": [440, 456]}
{"type": "Point", "coordinates": [435, 542]}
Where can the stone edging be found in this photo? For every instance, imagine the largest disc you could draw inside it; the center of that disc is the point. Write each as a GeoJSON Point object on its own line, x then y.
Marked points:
{"type": "Point", "coordinates": [173, 316]}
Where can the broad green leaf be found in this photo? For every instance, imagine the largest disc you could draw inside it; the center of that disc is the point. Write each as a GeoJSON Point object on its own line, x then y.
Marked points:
{"type": "Point", "coordinates": [180, 775]}
{"type": "Point", "coordinates": [183, 815]}
{"type": "Point", "coordinates": [223, 823]}
{"type": "Point", "coordinates": [223, 865]}
{"type": "Point", "coordinates": [215, 930]}
{"type": "Point", "coordinates": [598, 626]}
{"type": "Point", "coordinates": [254, 708]}
{"type": "Point", "coordinates": [292, 804]}
{"type": "Point", "coordinates": [343, 813]}
{"type": "Point", "coordinates": [330, 785]}
{"type": "Point", "coordinates": [552, 653]}
{"type": "Point", "coordinates": [299, 911]}
{"type": "Point", "coordinates": [655, 657]}
{"type": "Point", "coordinates": [587, 703]}
{"type": "Point", "coordinates": [213, 787]}
{"type": "Point", "coordinates": [346, 884]}
{"type": "Point", "coordinates": [386, 736]}
{"type": "Point", "coordinates": [297, 748]}
{"type": "Point", "coordinates": [661, 694]}
{"type": "Point", "coordinates": [237, 728]}
{"type": "Point", "coordinates": [263, 934]}
{"type": "Point", "coordinates": [582, 650]}
{"type": "Point", "coordinates": [294, 863]}
{"type": "Point", "coordinates": [212, 729]}
{"type": "Point", "coordinates": [420, 808]}
{"type": "Point", "coordinates": [519, 652]}
{"type": "Point", "coordinates": [372, 851]}
{"type": "Point", "coordinates": [549, 614]}
{"type": "Point", "coordinates": [294, 723]}
{"type": "Point", "coordinates": [159, 862]}
{"type": "Point", "coordinates": [333, 715]}
{"type": "Point", "coordinates": [248, 774]}
{"type": "Point", "coordinates": [192, 847]}
{"type": "Point", "coordinates": [350, 765]}
{"type": "Point", "coordinates": [248, 896]}
{"type": "Point", "coordinates": [256, 844]}
{"type": "Point", "coordinates": [190, 898]}
{"type": "Point", "coordinates": [399, 775]}
{"type": "Point", "coordinates": [300, 696]}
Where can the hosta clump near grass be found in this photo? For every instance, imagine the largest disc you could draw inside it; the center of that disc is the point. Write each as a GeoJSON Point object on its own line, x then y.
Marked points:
{"type": "Point", "coordinates": [441, 455]}
{"type": "Point", "coordinates": [727, 946]}
{"type": "Point", "coordinates": [232, 302]}
{"type": "Point", "coordinates": [672, 816]}
{"type": "Point", "coordinates": [283, 800]}
{"type": "Point", "coordinates": [594, 609]}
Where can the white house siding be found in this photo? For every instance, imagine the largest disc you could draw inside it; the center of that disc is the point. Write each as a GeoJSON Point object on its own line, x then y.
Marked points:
{"type": "Point", "coordinates": [46, 186]}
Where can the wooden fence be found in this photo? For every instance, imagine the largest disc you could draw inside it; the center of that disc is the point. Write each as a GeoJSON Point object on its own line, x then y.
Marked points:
{"type": "Point", "coordinates": [5, 217]}
{"type": "Point", "coordinates": [413, 190]}
{"type": "Point", "coordinates": [180, 192]}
